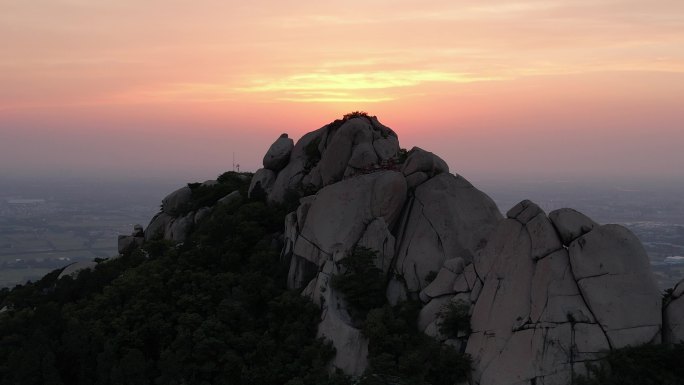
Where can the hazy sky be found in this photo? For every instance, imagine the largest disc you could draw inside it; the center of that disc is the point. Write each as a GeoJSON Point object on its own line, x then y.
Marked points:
{"type": "Point", "coordinates": [573, 89]}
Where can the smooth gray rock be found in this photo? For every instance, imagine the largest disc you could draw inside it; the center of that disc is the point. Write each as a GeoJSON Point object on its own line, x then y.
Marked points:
{"type": "Point", "coordinates": [158, 227]}
{"type": "Point", "coordinates": [378, 238]}
{"type": "Point", "coordinates": [176, 202]}
{"type": "Point", "coordinates": [447, 218]}
{"type": "Point", "coordinates": [180, 228]}
{"type": "Point", "coordinates": [339, 213]}
{"type": "Point", "coordinates": [571, 224]}
{"type": "Point", "coordinates": [290, 178]}
{"type": "Point", "coordinates": [128, 243]}
{"type": "Point", "coordinates": [455, 265]}
{"type": "Point", "coordinates": [384, 130]}
{"type": "Point", "coordinates": [524, 211]}
{"type": "Point", "coordinates": [264, 178]}
{"type": "Point", "coordinates": [442, 284]}
{"type": "Point", "coordinates": [420, 160]}
{"type": "Point", "coordinates": [543, 236]}
{"type": "Point", "coordinates": [416, 179]}
{"type": "Point", "coordinates": [386, 148]}
{"type": "Point", "coordinates": [339, 149]}
{"type": "Point", "coordinates": [303, 210]}
{"type": "Point", "coordinates": [363, 157]}
{"type": "Point", "coordinates": [614, 276]}
{"type": "Point", "coordinates": [502, 239]}
{"type": "Point", "coordinates": [278, 154]}
{"type": "Point", "coordinates": [530, 322]}
{"type": "Point", "coordinates": [555, 297]}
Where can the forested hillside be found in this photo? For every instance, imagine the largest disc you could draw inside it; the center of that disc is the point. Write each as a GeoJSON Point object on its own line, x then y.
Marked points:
{"type": "Point", "coordinates": [211, 311]}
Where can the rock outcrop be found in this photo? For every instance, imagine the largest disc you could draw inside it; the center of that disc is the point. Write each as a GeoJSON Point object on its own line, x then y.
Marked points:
{"type": "Point", "coordinates": [545, 294]}
{"type": "Point", "coordinates": [554, 299]}
{"type": "Point", "coordinates": [278, 155]}
{"type": "Point", "coordinates": [128, 243]}
{"type": "Point", "coordinates": [354, 145]}
{"type": "Point", "coordinates": [355, 192]}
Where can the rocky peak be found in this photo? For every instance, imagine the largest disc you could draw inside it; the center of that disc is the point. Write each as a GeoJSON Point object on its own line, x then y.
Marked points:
{"type": "Point", "coordinates": [356, 144]}
{"type": "Point", "coordinates": [544, 293]}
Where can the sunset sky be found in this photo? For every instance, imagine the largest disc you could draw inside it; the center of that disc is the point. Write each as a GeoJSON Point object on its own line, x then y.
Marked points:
{"type": "Point", "coordinates": [564, 89]}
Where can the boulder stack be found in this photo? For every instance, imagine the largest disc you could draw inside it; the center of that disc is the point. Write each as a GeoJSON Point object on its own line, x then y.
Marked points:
{"type": "Point", "coordinates": [545, 294]}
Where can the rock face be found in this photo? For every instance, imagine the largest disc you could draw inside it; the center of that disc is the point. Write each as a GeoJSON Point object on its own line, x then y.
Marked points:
{"type": "Point", "coordinates": [545, 293]}
{"type": "Point", "coordinates": [324, 230]}
{"type": "Point", "coordinates": [175, 202]}
{"type": "Point", "coordinates": [446, 218]}
{"type": "Point", "coordinates": [279, 154]}
{"type": "Point", "coordinates": [354, 193]}
{"type": "Point", "coordinates": [553, 299]}
{"type": "Point", "coordinates": [344, 148]}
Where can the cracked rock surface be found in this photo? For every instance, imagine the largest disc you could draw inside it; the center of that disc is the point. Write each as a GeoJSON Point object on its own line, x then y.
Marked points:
{"type": "Point", "coordinates": [545, 294]}
{"type": "Point", "coordinates": [546, 307]}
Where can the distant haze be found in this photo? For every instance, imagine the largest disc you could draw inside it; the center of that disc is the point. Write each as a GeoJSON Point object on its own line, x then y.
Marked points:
{"type": "Point", "coordinates": [500, 89]}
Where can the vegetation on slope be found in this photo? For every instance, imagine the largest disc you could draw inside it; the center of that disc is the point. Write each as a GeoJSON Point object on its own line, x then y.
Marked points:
{"type": "Point", "coordinates": [639, 365]}
{"type": "Point", "coordinates": [397, 352]}
{"type": "Point", "coordinates": [212, 311]}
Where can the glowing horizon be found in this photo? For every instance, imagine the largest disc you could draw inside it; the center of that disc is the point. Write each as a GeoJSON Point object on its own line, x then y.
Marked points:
{"type": "Point", "coordinates": [490, 87]}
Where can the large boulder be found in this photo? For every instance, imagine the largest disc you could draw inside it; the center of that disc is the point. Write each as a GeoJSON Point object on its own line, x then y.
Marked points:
{"type": "Point", "coordinates": [446, 218]}
{"type": "Point", "coordinates": [302, 157]}
{"type": "Point", "coordinates": [526, 320]}
{"type": "Point", "coordinates": [159, 226]}
{"type": "Point", "coordinates": [338, 215]}
{"type": "Point", "coordinates": [177, 201]}
{"type": "Point", "coordinates": [386, 147]}
{"type": "Point", "coordinates": [339, 150]}
{"type": "Point", "coordinates": [571, 224]}
{"type": "Point", "coordinates": [545, 309]}
{"type": "Point", "coordinates": [614, 275]}
{"type": "Point", "coordinates": [421, 165]}
{"type": "Point", "coordinates": [278, 154]}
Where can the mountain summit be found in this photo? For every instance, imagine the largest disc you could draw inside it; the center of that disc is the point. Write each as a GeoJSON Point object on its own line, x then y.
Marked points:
{"type": "Point", "coordinates": [347, 259]}
{"type": "Point", "coordinates": [545, 293]}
